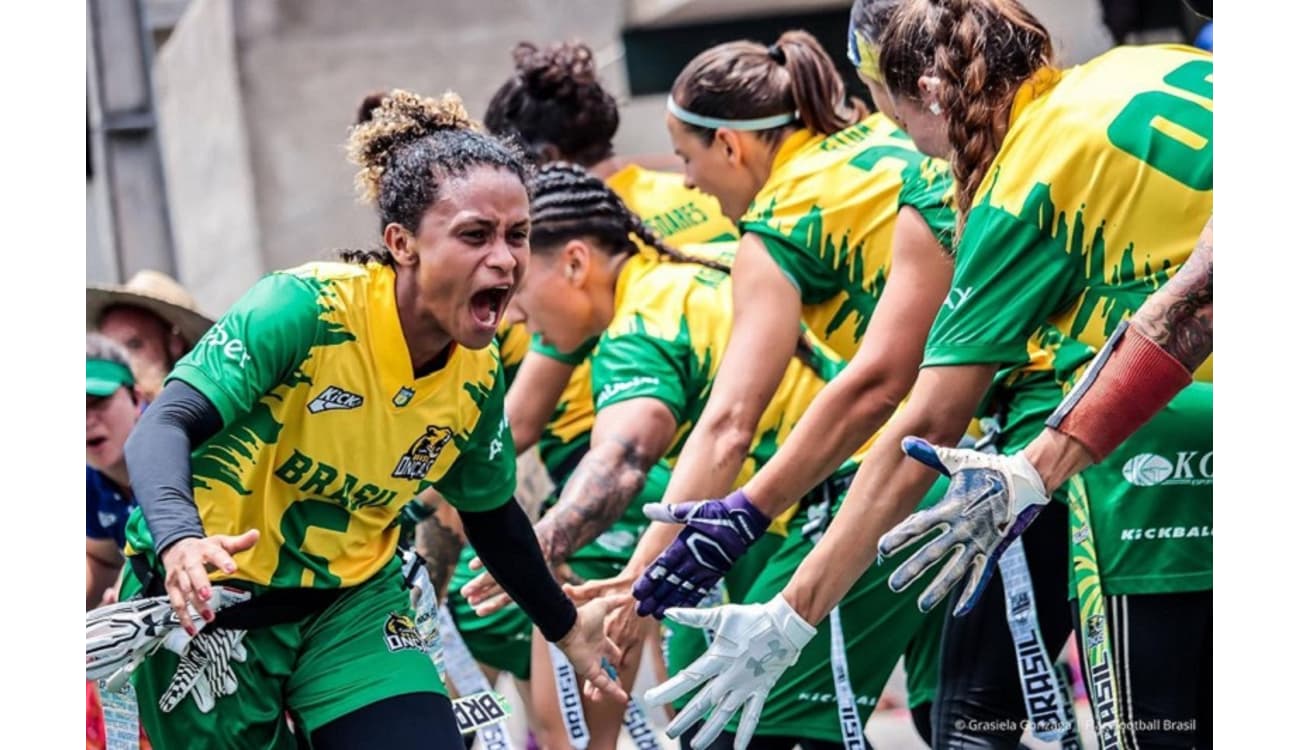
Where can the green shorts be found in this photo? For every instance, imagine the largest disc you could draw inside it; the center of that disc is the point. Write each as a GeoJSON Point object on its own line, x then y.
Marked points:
{"type": "Point", "coordinates": [1152, 502]}
{"type": "Point", "coordinates": [501, 640]}
{"type": "Point", "coordinates": [878, 627]}
{"type": "Point", "coordinates": [683, 645]}
{"type": "Point", "coordinates": [361, 649]}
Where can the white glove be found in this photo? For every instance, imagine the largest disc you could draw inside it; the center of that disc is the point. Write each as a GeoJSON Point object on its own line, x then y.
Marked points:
{"type": "Point", "coordinates": [122, 635]}
{"type": "Point", "coordinates": [990, 501]}
{"type": "Point", "coordinates": [205, 670]}
{"type": "Point", "coordinates": [753, 644]}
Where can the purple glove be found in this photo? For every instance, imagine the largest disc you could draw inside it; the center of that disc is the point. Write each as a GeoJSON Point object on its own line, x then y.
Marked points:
{"type": "Point", "coordinates": [717, 533]}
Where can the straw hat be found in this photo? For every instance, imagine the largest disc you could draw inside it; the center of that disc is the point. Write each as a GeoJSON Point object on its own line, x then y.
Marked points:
{"type": "Point", "coordinates": [156, 292]}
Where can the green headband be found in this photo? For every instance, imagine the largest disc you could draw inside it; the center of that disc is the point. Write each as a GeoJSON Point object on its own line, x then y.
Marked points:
{"type": "Point", "coordinates": [104, 377]}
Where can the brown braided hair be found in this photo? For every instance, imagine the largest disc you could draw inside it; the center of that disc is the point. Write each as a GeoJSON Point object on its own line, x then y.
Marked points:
{"type": "Point", "coordinates": [406, 145]}
{"type": "Point", "coordinates": [554, 99]}
{"type": "Point", "coordinates": [569, 202]}
{"type": "Point", "coordinates": [743, 80]}
{"type": "Point", "coordinates": [981, 51]}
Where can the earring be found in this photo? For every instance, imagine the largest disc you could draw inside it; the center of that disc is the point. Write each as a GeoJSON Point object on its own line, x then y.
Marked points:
{"type": "Point", "coordinates": [935, 108]}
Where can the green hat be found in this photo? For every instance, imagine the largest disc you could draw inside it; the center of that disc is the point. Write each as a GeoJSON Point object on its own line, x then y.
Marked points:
{"type": "Point", "coordinates": [104, 377]}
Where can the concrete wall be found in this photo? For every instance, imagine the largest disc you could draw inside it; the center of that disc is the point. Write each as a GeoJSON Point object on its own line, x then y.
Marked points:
{"type": "Point", "coordinates": [255, 98]}
{"type": "Point", "coordinates": [210, 185]}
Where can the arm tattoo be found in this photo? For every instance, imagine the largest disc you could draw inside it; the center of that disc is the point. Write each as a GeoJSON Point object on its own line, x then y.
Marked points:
{"type": "Point", "coordinates": [440, 547]}
{"type": "Point", "coordinates": [1180, 316]}
{"type": "Point", "coordinates": [596, 495]}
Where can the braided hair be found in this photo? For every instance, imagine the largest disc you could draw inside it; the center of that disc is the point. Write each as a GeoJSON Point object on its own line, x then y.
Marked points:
{"type": "Point", "coordinates": [569, 202]}
{"type": "Point", "coordinates": [406, 145]}
{"type": "Point", "coordinates": [981, 50]}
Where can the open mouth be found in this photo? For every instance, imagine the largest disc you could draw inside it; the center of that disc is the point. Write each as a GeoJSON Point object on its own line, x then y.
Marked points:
{"type": "Point", "coordinates": [95, 442]}
{"type": "Point", "coordinates": [488, 305]}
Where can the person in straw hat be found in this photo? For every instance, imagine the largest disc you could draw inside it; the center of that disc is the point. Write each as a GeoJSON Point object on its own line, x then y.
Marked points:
{"type": "Point", "coordinates": [153, 317]}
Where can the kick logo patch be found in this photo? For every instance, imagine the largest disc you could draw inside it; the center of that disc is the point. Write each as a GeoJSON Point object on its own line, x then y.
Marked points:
{"type": "Point", "coordinates": [422, 454]}
{"type": "Point", "coordinates": [333, 398]}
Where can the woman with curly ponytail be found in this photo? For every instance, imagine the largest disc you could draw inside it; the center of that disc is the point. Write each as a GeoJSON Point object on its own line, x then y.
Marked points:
{"type": "Point", "coordinates": [272, 469]}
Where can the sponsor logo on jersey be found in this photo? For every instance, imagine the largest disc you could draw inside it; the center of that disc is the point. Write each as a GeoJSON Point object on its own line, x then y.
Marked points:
{"type": "Point", "coordinates": [400, 634]}
{"type": "Point", "coordinates": [1166, 532]}
{"type": "Point", "coordinates": [613, 389]}
{"type": "Point", "coordinates": [423, 453]}
{"type": "Point", "coordinates": [497, 444]}
{"type": "Point", "coordinates": [1187, 468]}
{"type": "Point", "coordinates": [333, 398]}
{"type": "Point", "coordinates": [403, 396]}
{"type": "Point", "coordinates": [957, 296]}
{"type": "Point", "coordinates": [230, 347]}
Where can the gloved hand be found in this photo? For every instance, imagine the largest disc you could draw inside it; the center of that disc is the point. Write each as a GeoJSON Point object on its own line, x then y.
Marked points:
{"type": "Point", "coordinates": [753, 645]}
{"type": "Point", "coordinates": [717, 533]}
{"type": "Point", "coordinates": [121, 636]}
{"type": "Point", "coordinates": [990, 501]}
{"type": "Point", "coordinates": [206, 669]}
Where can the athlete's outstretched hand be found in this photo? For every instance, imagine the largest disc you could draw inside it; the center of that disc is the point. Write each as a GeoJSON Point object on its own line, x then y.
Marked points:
{"type": "Point", "coordinates": [753, 644]}
{"type": "Point", "coordinates": [717, 533]}
{"type": "Point", "coordinates": [589, 651]}
{"type": "Point", "coordinates": [990, 501]}
{"type": "Point", "coordinates": [187, 563]}
{"type": "Point", "coordinates": [622, 625]}
{"type": "Point", "coordinates": [487, 596]}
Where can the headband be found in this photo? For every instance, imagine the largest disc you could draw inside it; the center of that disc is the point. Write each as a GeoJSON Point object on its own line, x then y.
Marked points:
{"type": "Point", "coordinates": [713, 123]}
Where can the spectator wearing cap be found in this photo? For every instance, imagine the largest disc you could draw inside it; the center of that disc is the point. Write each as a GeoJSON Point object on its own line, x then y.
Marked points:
{"type": "Point", "coordinates": [153, 317]}
{"type": "Point", "coordinates": [112, 407]}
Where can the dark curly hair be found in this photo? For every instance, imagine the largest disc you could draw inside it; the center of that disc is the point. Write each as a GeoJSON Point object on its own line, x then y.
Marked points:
{"type": "Point", "coordinates": [406, 145]}
{"type": "Point", "coordinates": [553, 99]}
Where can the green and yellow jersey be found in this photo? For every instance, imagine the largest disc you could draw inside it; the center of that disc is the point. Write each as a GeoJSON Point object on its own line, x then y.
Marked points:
{"type": "Point", "coordinates": [1101, 188]}
{"type": "Point", "coordinates": [327, 432]}
{"type": "Point", "coordinates": [512, 341]}
{"type": "Point", "coordinates": [1097, 197]}
{"type": "Point", "coordinates": [826, 216]}
{"type": "Point", "coordinates": [671, 324]}
{"type": "Point", "coordinates": [678, 214]}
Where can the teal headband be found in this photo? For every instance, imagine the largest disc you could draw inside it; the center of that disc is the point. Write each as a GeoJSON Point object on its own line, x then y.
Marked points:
{"type": "Point", "coordinates": [104, 377]}
{"type": "Point", "coordinates": [713, 123]}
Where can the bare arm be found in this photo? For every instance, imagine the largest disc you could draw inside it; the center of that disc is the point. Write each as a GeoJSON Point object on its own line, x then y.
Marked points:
{"type": "Point", "coordinates": [763, 337]}
{"type": "Point", "coordinates": [439, 540]}
{"type": "Point", "coordinates": [859, 400]}
{"type": "Point", "coordinates": [627, 439]}
{"type": "Point", "coordinates": [103, 561]}
{"type": "Point", "coordinates": [887, 487]}
{"type": "Point", "coordinates": [1179, 318]}
{"type": "Point", "coordinates": [533, 395]}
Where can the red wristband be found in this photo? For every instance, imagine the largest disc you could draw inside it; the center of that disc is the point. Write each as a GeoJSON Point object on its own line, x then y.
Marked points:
{"type": "Point", "coordinates": [1134, 383]}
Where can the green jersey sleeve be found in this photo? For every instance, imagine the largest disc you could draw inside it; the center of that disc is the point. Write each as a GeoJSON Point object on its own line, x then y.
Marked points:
{"type": "Point", "coordinates": [637, 365]}
{"type": "Point", "coordinates": [925, 189]}
{"type": "Point", "coordinates": [575, 358]}
{"type": "Point", "coordinates": [257, 345]}
{"type": "Point", "coordinates": [810, 274]}
{"type": "Point", "coordinates": [483, 477]}
{"type": "Point", "coordinates": [1007, 279]}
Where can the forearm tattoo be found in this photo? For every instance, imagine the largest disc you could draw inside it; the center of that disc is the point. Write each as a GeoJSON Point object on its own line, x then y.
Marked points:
{"type": "Point", "coordinates": [440, 547]}
{"type": "Point", "coordinates": [1180, 316]}
{"type": "Point", "coordinates": [596, 495]}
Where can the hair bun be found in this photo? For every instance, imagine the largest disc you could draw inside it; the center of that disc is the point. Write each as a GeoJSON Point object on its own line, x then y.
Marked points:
{"type": "Point", "coordinates": [399, 118]}
{"type": "Point", "coordinates": [560, 71]}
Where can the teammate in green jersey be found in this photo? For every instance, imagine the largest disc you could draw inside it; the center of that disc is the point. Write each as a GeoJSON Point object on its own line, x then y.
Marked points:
{"type": "Point", "coordinates": [316, 407]}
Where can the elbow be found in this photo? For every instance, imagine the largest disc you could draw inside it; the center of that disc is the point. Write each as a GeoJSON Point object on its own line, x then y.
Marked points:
{"type": "Point", "coordinates": [525, 434]}
{"type": "Point", "coordinates": [872, 394]}
{"type": "Point", "coordinates": [940, 427]}
{"type": "Point", "coordinates": [732, 434]}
